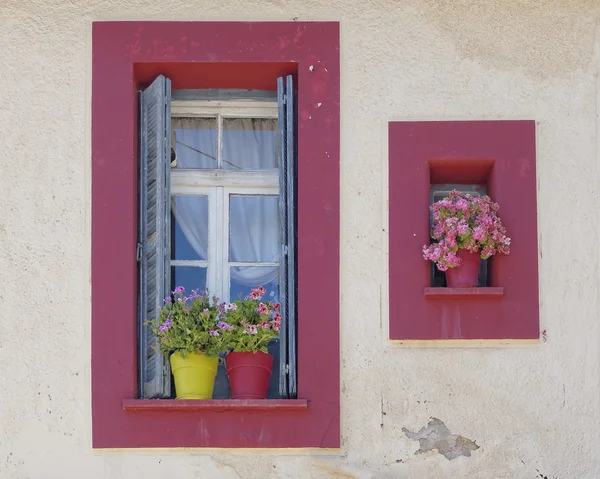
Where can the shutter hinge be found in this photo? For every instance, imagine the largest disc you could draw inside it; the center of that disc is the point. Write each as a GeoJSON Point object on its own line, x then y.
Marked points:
{"type": "Point", "coordinates": [287, 369]}
{"type": "Point", "coordinates": [284, 249]}
{"type": "Point", "coordinates": [284, 99]}
{"type": "Point", "coordinates": [138, 252]}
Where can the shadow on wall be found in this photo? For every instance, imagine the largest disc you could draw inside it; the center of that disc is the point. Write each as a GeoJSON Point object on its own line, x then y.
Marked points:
{"type": "Point", "coordinates": [544, 39]}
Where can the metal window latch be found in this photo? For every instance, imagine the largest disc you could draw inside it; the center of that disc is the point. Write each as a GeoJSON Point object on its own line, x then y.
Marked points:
{"type": "Point", "coordinates": [287, 369]}
{"type": "Point", "coordinates": [138, 252]}
{"type": "Point", "coordinates": [284, 99]}
{"type": "Point", "coordinates": [284, 249]}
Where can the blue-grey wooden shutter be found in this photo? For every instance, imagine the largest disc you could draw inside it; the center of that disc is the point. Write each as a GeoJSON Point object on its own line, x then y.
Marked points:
{"type": "Point", "coordinates": [287, 208]}
{"type": "Point", "coordinates": [154, 247]}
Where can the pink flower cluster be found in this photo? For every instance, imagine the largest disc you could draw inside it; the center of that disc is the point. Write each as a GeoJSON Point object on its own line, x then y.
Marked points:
{"type": "Point", "coordinates": [251, 329]}
{"type": "Point", "coordinates": [257, 293]}
{"type": "Point", "coordinates": [463, 221]}
{"type": "Point", "coordinates": [262, 309]}
{"type": "Point", "coordinates": [269, 309]}
{"type": "Point", "coordinates": [277, 321]}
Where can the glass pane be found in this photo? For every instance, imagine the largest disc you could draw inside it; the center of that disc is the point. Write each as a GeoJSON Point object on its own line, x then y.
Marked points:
{"type": "Point", "coordinates": [274, 350]}
{"type": "Point", "coordinates": [250, 143]}
{"type": "Point", "coordinates": [253, 228]}
{"type": "Point", "coordinates": [190, 277]}
{"type": "Point", "coordinates": [195, 142]}
{"type": "Point", "coordinates": [245, 278]}
{"type": "Point", "coordinates": [189, 227]}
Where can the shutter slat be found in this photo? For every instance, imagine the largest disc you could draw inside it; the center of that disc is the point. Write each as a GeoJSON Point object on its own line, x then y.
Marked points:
{"type": "Point", "coordinates": [155, 127]}
{"type": "Point", "coordinates": [290, 172]}
{"type": "Point", "coordinates": [283, 265]}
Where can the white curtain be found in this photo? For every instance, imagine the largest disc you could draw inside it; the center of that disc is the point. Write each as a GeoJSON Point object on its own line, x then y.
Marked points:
{"type": "Point", "coordinates": [254, 220]}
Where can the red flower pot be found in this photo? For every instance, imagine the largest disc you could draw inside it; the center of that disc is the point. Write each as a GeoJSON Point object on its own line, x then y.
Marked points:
{"type": "Point", "coordinates": [467, 274]}
{"type": "Point", "coordinates": [249, 374]}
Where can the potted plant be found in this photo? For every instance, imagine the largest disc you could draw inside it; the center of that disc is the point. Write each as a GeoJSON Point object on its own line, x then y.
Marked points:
{"type": "Point", "coordinates": [466, 229]}
{"type": "Point", "coordinates": [190, 333]}
{"type": "Point", "coordinates": [252, 324]}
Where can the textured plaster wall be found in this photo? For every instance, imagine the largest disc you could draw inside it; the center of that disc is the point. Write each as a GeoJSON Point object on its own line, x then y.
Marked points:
{"type": "Point", "coordinates": [533, 411]}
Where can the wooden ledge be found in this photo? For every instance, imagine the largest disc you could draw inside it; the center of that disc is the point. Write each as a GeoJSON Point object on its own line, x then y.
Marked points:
{"type": "Point", "coordinates": [218, 405]}
{"type": "Point", "coordinates": [436, 293]}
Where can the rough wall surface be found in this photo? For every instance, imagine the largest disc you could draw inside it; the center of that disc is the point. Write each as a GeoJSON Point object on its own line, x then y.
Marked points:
{"type": "Point", "coordinates": [532, 411]}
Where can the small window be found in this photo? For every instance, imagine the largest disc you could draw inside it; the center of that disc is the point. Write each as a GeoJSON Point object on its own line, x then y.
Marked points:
{"type": "Point", "coordinates": [437, 193]}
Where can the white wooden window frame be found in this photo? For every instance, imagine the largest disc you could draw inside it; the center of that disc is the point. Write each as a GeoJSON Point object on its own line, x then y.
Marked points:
{"type": "Point", "coordinates": [219, 184]}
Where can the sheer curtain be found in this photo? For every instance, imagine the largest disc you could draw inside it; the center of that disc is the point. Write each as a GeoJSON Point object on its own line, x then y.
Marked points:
{"type": "Point", "coordinates": [254, 228]}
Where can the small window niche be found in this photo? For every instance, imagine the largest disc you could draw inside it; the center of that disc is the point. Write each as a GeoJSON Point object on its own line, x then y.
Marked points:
{"type": "Point", "coordinates": [438, 193]}
{"type": "Point", "coordinates": [467, 175]}
{"type": "Point", "coordinates": [427, 160]}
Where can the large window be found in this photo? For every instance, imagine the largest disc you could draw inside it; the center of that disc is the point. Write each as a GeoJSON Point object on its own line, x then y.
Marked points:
{"type": "Point", "coordinates": [217, 212]}
{"type": "Point", "coordinates": [218, 56]}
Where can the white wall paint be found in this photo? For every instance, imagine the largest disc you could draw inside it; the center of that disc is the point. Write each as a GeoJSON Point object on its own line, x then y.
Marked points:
{"type": "Point", "coordinates": [529, 409]}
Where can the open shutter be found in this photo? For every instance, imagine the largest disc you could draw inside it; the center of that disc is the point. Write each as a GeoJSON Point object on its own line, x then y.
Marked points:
{"type": "Point", "coordinates": [154, 246]}
{"type": "Point", "coordinates": [287, 209]}
{"type": "Point", "coordinates": [291, 239]}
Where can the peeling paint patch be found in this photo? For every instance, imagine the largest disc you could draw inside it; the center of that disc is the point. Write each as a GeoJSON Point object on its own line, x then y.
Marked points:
{"type": "Point", "coordinates": [436, 436]}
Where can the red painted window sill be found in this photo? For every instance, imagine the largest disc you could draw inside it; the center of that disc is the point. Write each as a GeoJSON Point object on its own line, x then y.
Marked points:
{"type": "Point", "coordinates": [222, 405]}
{"type": "Point", "coordinates": [436, 293]}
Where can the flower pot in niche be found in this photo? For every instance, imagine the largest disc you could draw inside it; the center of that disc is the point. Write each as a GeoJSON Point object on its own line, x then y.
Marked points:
{"type": "Point", "coordinates": [194, 375]}
{"type": "Point", "coordinates": [463, 223]}
{"type": "Point", "coordinates": [249, 374]}
{"type": "Point", "coordinates": [466, 274]}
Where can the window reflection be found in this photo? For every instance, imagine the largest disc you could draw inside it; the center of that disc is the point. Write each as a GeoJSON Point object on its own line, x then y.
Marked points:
{"type": "Point", "coordinates": [189, 227]}
{"type": "Point", "coordinates": [253, 228]}
{"type": "Point", "coordinates": [244, 278]}
{"type": "Point", "coordinates": [250, 143]}
{"type": "Point", "coordinates": [190, 277]}
{"type": "Point", "coordinates": [195, 142]}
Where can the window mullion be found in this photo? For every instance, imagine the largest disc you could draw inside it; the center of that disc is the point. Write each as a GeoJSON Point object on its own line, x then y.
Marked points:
{"type": "Point", "coordinates": [213, 215]}
{"type": "Point", "coordinates": [219, 141]}
{"type": "Point", "coordinates": [225, 245]}
{"type": "Point", "coordinates": [217, 262]}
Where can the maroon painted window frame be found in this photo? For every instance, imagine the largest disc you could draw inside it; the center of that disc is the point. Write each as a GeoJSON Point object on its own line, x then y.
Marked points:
{"type": "Point", "coordinates": [126, 57]}
{"type": "Point", "coordinates": [500, 154]}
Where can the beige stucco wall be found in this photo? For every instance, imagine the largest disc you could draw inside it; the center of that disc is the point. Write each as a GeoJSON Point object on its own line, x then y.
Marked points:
{"type": "Point", "coordinates": [533, 410]}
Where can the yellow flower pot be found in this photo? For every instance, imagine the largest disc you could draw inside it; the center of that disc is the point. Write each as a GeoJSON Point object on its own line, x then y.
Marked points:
{"type": "Point", "coordinates": [194, 375]}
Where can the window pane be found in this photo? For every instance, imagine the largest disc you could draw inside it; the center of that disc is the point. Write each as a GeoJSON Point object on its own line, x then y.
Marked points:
{"type": "Point", "coordinates": [189, 227]}
{"type": "Point", "coordinates": [250, 143]}
{"type": "Point", "coordinates": [195, 142]}
{"type": "Point", "coordinates": [190, 277]}
{"type": "Point", "coordinates": [245, 278]}
{"type": "Point", "coordinates": [253, 228]}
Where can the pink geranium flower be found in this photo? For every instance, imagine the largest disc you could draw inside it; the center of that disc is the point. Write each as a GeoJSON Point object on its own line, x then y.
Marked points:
{"type": "Point", "coordinates": [463, 221]}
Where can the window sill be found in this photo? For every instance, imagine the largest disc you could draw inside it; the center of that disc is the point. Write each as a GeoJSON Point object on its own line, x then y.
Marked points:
{"type": "Point", "coordinates": [215, 405]}
{"type": "Point", "coordinates": [437, 293]}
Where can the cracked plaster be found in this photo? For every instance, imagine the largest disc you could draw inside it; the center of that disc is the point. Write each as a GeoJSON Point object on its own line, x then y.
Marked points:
{"type": "Point", "coordinates": [436, 437]}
